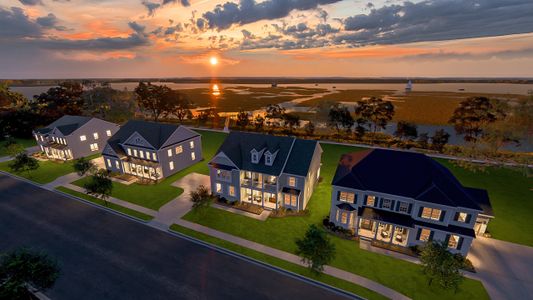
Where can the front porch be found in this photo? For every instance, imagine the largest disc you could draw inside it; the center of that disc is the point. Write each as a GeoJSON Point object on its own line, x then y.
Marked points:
{"type": "Point", "coordinates": [260, 198]}
{"type": "Point", "coordinates": [57, 151]}
{"type": "Point", "coordinates": [142, 169]}
{"type": "Point", "coordinates": [383, 232]}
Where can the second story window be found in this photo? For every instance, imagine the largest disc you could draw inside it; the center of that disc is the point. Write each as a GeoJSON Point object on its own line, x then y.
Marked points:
{"type": "Point", "coordinates": [462, 217]}
{"type": "Point", "coordinates": [404, 207]}
{"type": "Point", "coordinates": [232, 190]}
{"type": "Point", "coordinates": [387, 203]}
{"type": "Point", "coordinates": [94, 147]}
{"type": "Point", "coordinates": [171, 165]}
{"type": "Point", "coordinates": [347, 197]}
{"type": "Point", "coordinates": [169, 152]}
{"type": "Point", "coordinates": [191, 143]}
{"type": "Point", "coordinates": [83, 138]}
{"type": "Point", "coordinates": [292, 181]}
{"type": "Point", "coordinates": [268, 160]}
{"type": "Point", "coordinates": [129, 151]}
{"type": "Point", "coordinates": [141, 154]}
{"type": "Point", "coordinates": [179, 149]}
{"type": "Point", "coordinates": [370, 200]}
{"type": "Point", "coordinates": [108, 132]}
{"type": "Point", "coordinates": [95, 135]}
{"type": "Point", "coordinates": [135, 152]}
{"type": "Point", "coordinates": [431, 213]}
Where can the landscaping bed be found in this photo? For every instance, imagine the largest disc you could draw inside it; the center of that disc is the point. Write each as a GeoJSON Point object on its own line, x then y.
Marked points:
{"type": "Point", "coordinates": [247, 207]}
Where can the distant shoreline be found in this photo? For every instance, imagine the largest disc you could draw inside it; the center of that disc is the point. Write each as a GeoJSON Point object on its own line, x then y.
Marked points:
{"type": "Point", "coordinates": [270, 80]}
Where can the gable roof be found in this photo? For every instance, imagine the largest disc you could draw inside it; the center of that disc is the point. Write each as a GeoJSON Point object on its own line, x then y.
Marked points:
{"type": "Point", "coordinates": [154, 133]}
{"type": "Point", "coordinates": [407, 174]}
{"type": "Point", "coordinates": [294, 155]}
{"type": "Point", "coordinates": [67, 124]}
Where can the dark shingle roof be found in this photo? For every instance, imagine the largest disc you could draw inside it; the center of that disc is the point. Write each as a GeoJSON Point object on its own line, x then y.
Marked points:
{"type": "Point", "coordinates": [293, 155]}
{"type": "Point", "coordinates": [66, 124]}
{"type": "Point", "coordinates": [154, 133]}
{"type": "Point", "coordinates": [406, 174]}
{"type": "Point", "coordinates": [481, 197]}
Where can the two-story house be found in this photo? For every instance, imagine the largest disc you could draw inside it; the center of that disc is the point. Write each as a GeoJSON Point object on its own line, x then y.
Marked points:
{"type": "Point", "coordinates": [152, 150]}
{"type": "Point", "coordinates": [405, 199]}
{"type": "Point", "coordinates": [72, 137]}
{"type": "Point", "coordinates": [265, 170]}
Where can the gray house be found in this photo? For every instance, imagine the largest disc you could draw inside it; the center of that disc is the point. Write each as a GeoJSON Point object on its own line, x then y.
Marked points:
{"type": "Point", "coordinates": [406, 199]}
{"type": "Point", "coordinates": [72, 137]}
{"type": "Point", "coordinates": [152, 150]}
{"type": "Point", "coordinates": [265, 170]}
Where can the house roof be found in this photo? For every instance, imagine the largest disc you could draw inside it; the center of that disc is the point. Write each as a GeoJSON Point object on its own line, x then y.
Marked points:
{"type": "Point", "coordinates": [481, 197]}
{"type": "Point", "coordinates": [406, 174]}
{"type": "Point", "coordinates": [345, 206]}
{"type": "Point", "coordinates": [154, 133]}
{"type": "Point", "coordinates": [293, 155]}
{"type": "Point", "coordinates": [66, 124]}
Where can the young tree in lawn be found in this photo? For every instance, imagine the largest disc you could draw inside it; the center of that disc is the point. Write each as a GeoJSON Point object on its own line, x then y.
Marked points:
{"type": "Point", "coordinates": [439, 140]}
{"type": "Point", "coordinates": [406, 130]}
{"type": "Point", "coordinates": [472, 115]}
{"type": "Point", "coordinates": [291, 120]}
{"type": "Point", "coordinates": [99, 185]}
{"type": "Point", "coordinates": [243, 119]}
{"type": "Point", "coordinates": [84, 166]}
{"type": "Point", "coordinates": [315, 249]}
{"type": "Point", "coordinates": [375, 111]}
{"type": "Point", "coordinates": [24, 163]}
{"type": "Point", "coordinates": [441, 266]}
{"type": "Point", "coordinates": [309, 128]}
{"type": "Point", "coordinates": [23, 268]}
{"type": "Point", "coordinates": [201, 198]}
{"type": "Point", "coordinates": [259, 122]}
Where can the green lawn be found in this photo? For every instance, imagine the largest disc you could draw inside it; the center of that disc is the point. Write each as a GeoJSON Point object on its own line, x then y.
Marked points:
{"type": "Point", "coordinates": [280, 233]}
{"type": "Point", "coordinates": [155, 196]}
{"type": "Point", "coordinates": [330, 280]}
{"type": "Point", "coordinates": [47, 172]}
{"type": "Point", "coordinates": [122, 209]}
{"type": "Point", "coordinates": [24, 142]}
{"type": "Point", "coordinates": [511, 196]}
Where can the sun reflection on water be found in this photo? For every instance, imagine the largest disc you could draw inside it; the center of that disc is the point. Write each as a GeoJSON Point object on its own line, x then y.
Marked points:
{"type": "Point", "coordinates": [215, 90]}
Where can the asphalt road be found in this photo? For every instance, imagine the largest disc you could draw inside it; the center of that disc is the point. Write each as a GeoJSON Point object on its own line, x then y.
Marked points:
{"type": "Point", "coordinates": [104, 256]}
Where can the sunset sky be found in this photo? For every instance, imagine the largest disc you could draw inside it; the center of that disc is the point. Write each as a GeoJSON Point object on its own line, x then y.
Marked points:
{"type": "Point", "coordinates": [177, 38]}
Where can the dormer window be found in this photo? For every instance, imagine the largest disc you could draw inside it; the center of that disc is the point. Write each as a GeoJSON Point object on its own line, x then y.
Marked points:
{"type": "Point", "coordinates": [255, 156]}
{"type": "Point", "coordinates": [268, 159]}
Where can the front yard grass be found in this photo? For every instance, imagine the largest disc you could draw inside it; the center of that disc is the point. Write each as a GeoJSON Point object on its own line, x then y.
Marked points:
{"type": "Point", "coordinates": [157, 195]}
{"type": "Point", "coordinates": [48, 171]}
{"type": "Point", "coordinates": [327, 279]}
{"type": "Point", "coordinates": [26, 143]}
{"type": "Point", "coordinates": [280, 233]}
{"type": "Point", "coordinates": [113, 206]}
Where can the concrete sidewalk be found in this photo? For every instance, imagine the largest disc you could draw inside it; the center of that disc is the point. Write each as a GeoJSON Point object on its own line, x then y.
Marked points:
{"type": "Point", "coordinates": [335, 272]}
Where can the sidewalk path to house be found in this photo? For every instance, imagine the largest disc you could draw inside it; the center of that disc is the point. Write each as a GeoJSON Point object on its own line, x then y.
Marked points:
{"type": "Point", "coordinates": [169, 213]}
{"type": "Point", "coordinates": [29, 150]}
{"type": "Point", "coordinates": [367, 283]}
{"type": "Point", "coordinates": [506, 269]}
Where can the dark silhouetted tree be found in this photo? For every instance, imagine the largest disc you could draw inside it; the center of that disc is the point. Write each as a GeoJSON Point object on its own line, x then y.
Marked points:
{"type": "Point", "coordinates": [315, 249]}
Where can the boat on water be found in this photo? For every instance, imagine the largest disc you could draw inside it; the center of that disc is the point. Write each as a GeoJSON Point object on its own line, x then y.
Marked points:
{"type": "Point", "coordinates": [409, 86]}
{"type": "Point", "coordinates": [274, 84]}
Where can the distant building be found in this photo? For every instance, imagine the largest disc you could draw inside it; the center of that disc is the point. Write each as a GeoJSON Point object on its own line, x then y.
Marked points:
{"type": "Point", "coordinates": [409, 86]}
{"type": "Point", "coordinates": [406, 199]}
{"type": "Point", "coordinates": [152, 150]}
{"type": "Point", "coordinates": [266, 170]}
{"type": "Point", "coordinates": [72, 137]}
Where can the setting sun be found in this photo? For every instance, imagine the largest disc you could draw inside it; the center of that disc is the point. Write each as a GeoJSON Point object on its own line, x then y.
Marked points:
{"type": "Point", "coordinates": [213, 60]}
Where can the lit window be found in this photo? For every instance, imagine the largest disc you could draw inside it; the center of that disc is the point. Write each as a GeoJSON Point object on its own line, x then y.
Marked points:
{"type": "Point", "coordinates": [424, 235]}
{"type": "Point", "coordinates": [141, 154]}
{"type": "Point", "coordinates": [109, 162]}
{"type": "Point", "coordinates": [169, 152]}
{"type": "Point", "coordinates": [347, 197]}
{"type": "Point", "coordinates": [154, 156]}
{"type": "Point", "coordinates": [462, 217]}
{"type": "Point", "coordinates": [42, 139]}
{"type": "Point", "coordinates": [219, 188]}
{"type": "Point", "coordinates": [453, 242]}
{"type": "Point", "coordinates": [171, 165]}
{"type": "Point", "coordinates": [117, 164]}
{"type": "Point", "coordinates": [108, 132]}
{"type": "Point", "coordinates": [431, 213]}
{"type": "Point", "coordinates": [135, 152]}
{"type": "Point", "coordinates": [179, 149]}
{"type": "Point", "coordinates": [191, 143]}
{"type": "Point", "coordinates": [129, 151]}
{"type": "Point", "coordinates": [387, 203]}
{"type": "Point", "coordinates": [287, 199]}
{"type": "Point", "coordinates": [344, 217]}
{"type": "Point", "coordinates": [94, 147]}
{"type": "Point", "coordinates": [404, 207]}
{"type": "Point", "coordinates": [292, 181]}
{"type": "Point", "coordinates": [370, 200]}
{"type": "Point", "coordinates": [232, 190]}
{"type": "Point", "coordinates": [435, 214]}
{"type": "Point", "coordinates": [193, 156]}
{"type": "Point", "coordinates": [95, 135]}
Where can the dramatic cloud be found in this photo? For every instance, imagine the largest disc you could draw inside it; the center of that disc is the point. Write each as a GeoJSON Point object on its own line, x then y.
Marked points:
{"type": "Point", "coordinates": [15, 23]}
{"type": "Point", "coordinates": [434, 20]}
{"type": "Point", "coordinates": [31, 2]}
{"type": "Point", "coordinates": [153, 6]}
{"type": "Point", "coordinates": [249, 11]}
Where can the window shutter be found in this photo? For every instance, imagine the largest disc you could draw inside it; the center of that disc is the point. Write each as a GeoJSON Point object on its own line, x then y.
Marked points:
{"type": "Point", "coordinates": [447, 239]}
{"type": "Point", "coordinates": [420, 211]}
{"type": "Point", "coordinates": [364, 200]}
{"type": "Point", "coordinates": [392, 205]}
{"type": "Point", "coordinates": [456, 217]}
{"type": "Point", "coordinates": [431, 235]}
{"type": "Point", "coordinates": [380, 202]}
{"type": "Point", "coordinates": [460, 243]}
{"type": "Point", "coordinates": [442, 215]}
{"type": "Point", "coordinates": [418, 234]}
{"type": "Point", "coordinates": [468, 217]}
{"type": "Point", "coordinates": [397, 208]}
{"type": "Point", "coordinates": [410, 209]}
{"type": "Point", "coordinates": [338, 195]}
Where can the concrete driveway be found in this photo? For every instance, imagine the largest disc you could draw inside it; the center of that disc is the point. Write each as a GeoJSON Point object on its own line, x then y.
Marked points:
{"type": "Point", "coordinates": [506, 269]}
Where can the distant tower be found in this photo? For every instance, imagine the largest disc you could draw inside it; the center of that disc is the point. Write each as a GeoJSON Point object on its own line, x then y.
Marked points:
{"type": "Point", "coordinates": [409, 86]}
